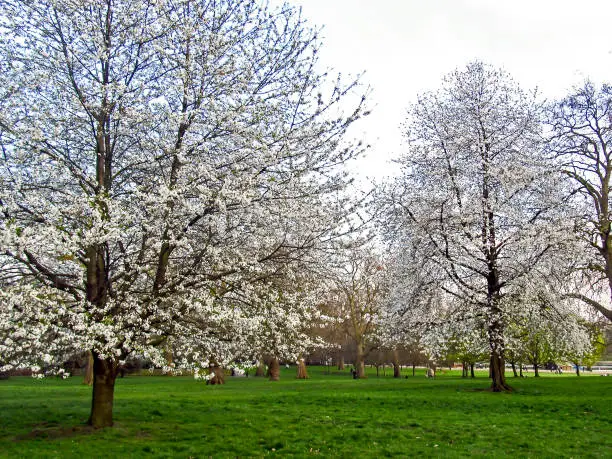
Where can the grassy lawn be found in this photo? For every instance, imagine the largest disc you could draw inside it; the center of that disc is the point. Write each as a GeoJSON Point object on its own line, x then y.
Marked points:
{"type": "Point", "coordinates": [328, 415]}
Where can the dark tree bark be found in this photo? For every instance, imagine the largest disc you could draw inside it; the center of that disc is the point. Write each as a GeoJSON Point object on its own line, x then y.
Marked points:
{"type": "Point", "coordinates": [497, 369]}
{"type": "Point", "coordinates": [536, 371]}
{"type": "Point", "coordinates": [105, 374]}
{"type": "Point", "coordinates": [472, 370]}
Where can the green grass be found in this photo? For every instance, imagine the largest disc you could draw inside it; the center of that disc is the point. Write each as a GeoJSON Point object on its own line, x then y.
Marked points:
{"type": "Point", "coordinates": [328, 415]}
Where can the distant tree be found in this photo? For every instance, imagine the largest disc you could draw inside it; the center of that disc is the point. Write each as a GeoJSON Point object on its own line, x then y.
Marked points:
{"type": "Point", "coordinates": [475, 203]}
{"type": "Point", "coordinates": [358, 291]}
{"type": "Point", "coordinates": [589, 354]}
{"type": "Point", "coordinates": [581, 141]}
{"type": "Point", "coordinates": [466, 343]}
{"type": "Point", "coordinates": [548, 331]}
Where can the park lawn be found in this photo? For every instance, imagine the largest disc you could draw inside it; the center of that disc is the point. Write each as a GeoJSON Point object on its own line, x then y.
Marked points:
{"type": "Point", "coordinates": [328, 415]}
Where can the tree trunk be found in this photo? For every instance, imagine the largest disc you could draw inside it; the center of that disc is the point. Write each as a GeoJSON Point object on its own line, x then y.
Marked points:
{"type": "Point", "coordinates": [88, 379]}
{"type": "Point", "coordinates": [168, 354]}
{"type": "Point", "coordinates": [359, 362]}
{"type": "Point", "coordinates": [274, 370]}
{"type": "Point", "coordinates": [397, 369]}
{"type": "Point", "coordinates": [521, 370]}
{"type": "Point", "coordinates": [464, 370]}
{"type": "Point", "coordinates": [577, 370]}
{"type": "Point", "coordinates": [497, 369]}
{"type": "Point", "coordinates": [105, 373]}
{"type": "Point", "coordinates": [514, 370]}
{"type": "Point", "coordinates": [302, 373]}
{"type": "Point", "coordinates": [535, 370]}
{"type": "Point", "coordinates": [472, 370]}
{"type": "Point", "coordinates": [261, 369]}
{"type": "Point", "coordinates": [341, 363]}
{"type": "Point", "coordinates": [413, 369]}
{"type": "Point", "coordinates": [498, 376]}
{"type": "Point", "coordinates": [218, 375]}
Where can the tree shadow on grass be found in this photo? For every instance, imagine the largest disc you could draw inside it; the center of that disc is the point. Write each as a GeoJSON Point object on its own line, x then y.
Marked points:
{"type": "Point", "coordinates": [51, 431]}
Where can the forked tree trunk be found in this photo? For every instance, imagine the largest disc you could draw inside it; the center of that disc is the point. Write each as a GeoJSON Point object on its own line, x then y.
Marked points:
{"type": "Point", "coordinates": [520, 370]}
{"type": "Point", "coordinates": [302, 373]}
{"type": "Point", "coordinates": [105, 373]}
{"type": "Point", "coordinates": [464, 370]}
{"type": "Point", "coordinates": [218, 375]}
{"type": "Point", "coordinates": [88, 378]}
{"type": "Point", "coordinates": [341, 363]}
{"type": "Point", "coordinates": [359, 362]}
{"type": "Point", "coordinates": [274, 370]}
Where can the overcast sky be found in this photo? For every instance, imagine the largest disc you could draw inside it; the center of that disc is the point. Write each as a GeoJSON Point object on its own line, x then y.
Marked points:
{"type": "Point", "coordinates": [406, 46]}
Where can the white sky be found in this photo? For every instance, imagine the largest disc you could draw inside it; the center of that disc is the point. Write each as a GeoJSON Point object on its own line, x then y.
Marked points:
{"type": "Point", "coordinates": [405, 47]}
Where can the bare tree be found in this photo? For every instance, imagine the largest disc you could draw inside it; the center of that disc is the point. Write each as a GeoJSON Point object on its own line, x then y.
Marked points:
{"type": "Point", "coordinates": [582, 143]}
